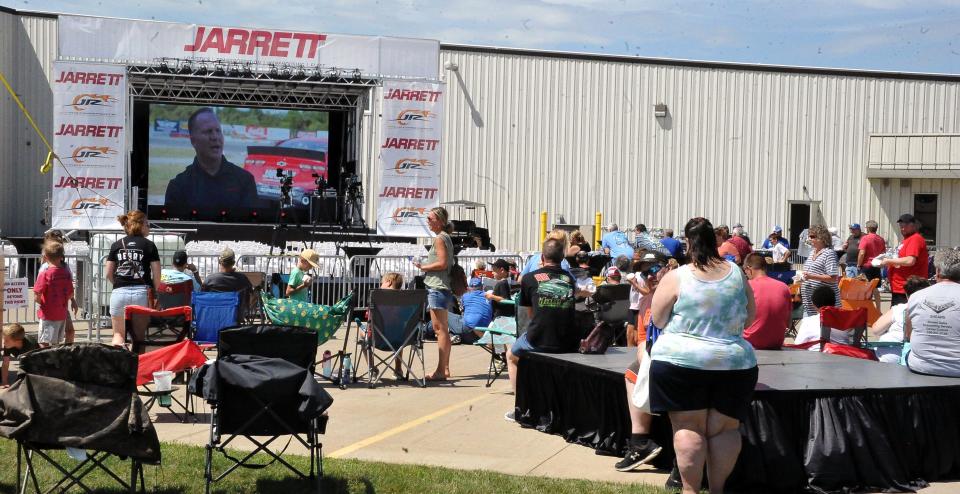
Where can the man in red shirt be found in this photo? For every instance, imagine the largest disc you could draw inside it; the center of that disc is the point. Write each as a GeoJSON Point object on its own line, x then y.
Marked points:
{"type": "Point", "coordinates": [871, 245]}
{"type": "Point", "coordinates": [912, 258]}
{"type": "Point", "coordinates": [773, 304]}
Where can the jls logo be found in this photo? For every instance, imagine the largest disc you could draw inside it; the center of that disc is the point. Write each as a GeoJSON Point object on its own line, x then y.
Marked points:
{"type": "Point", "coordinates": [413, 117]}
{"type": "Point", "coordinates": [406, 165]}
{"type": "Point", "coordinates": [406, 214]}
{"type": "Point", "coordinates": [88, 101]}
{"type": "Point", "coordinates": [79, 206]}
{"type": "Point", "coordinates": [83, 153]}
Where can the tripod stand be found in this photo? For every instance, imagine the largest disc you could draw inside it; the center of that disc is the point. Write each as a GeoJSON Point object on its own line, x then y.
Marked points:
{"type": "Point", "coordinates": [285, 209]}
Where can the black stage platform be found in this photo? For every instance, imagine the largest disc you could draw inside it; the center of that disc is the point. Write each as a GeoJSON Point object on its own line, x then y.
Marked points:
{"type": "Point", "coordinates": [817, 422]}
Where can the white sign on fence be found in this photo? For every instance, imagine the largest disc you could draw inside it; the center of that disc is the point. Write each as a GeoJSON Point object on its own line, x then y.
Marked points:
{"type": "Point", "coordinates": [15, 293]}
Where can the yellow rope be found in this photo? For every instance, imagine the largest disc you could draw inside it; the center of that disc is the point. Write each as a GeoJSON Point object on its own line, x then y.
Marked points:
{"type": "Point", "coordinates": [47, 163]}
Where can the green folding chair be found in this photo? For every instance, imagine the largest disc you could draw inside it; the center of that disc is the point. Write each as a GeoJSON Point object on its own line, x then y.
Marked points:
{"type": "Point", "coordinates": [501, 331]}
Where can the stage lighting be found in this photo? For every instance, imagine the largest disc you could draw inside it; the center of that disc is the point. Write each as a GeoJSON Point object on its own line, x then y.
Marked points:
{"type": "Point", "coordinates": [185, 68]}
{"type": "Point", "coordinates": [163, 213]}
{"type": "Point", "coordinates": [223, 215]}
{"type": "Point", "coordinates": [357, 75]}
{"type": "Point", "coordinates": [193, 213]}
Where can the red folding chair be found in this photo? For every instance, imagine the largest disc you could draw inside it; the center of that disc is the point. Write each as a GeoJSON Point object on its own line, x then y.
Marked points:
{"type": "Point", "coordinates": [174, 294]}
{"type": "Point", "coordinates": [156, 328]}
{"type": "Point", "coordinates": [179, 358]}
{"type": "Point", "coordinates": [853, 321]}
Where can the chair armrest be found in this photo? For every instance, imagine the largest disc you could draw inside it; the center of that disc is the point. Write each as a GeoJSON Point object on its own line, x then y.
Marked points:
{"type": "Point", "coordinates": [495, 331]}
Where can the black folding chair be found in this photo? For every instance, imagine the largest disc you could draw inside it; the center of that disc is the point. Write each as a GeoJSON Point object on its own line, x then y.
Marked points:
{"type": "Point", "coordinates": [395, 316]}
{"type": "Point", "coordinates": [611, 304]}
{"type": "Point", "coordinates": [260, 376]}
{"type": "Point", "coordinates": [81, 397]}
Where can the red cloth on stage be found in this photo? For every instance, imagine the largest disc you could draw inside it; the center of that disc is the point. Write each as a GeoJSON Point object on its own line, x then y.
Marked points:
{"type": "Point", "coordinates": [176, 358]}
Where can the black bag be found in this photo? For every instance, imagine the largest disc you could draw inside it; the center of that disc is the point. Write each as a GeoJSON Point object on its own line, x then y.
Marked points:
{"type": "Point", "coordinates": [598, 340]}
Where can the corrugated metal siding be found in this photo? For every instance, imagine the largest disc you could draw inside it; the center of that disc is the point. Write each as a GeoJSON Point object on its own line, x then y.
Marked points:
{"type": "Point", "coordinates": [525, 133]}
{"type": "Point", "coordinates": [30, 47]}
{"type": "Point", "coordinates": [896, 196]}
{"type": "Point", "coordinates": [927, 156]}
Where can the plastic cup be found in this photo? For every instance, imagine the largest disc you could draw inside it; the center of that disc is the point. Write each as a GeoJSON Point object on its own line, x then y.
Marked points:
{"type": "Point", "coordinates": [163, 380]}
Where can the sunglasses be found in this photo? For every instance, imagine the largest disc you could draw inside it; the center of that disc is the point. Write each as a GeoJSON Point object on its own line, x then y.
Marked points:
{"type": "Point", "coordinates": [652, 270]}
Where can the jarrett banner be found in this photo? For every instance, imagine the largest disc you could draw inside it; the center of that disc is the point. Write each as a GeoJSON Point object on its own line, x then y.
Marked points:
{"type": "Point", "coordinates": [409, 157]}
{"type": "Point", "coordinates": [88, 121]}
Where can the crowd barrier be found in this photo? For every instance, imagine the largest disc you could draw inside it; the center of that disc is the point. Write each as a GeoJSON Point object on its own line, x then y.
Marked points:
{"type": "Point", "coordinates": [27, 266]}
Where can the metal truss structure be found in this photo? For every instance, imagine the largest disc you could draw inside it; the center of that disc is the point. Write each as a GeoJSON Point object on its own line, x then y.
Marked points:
{"type": "Point", "coordinates": [217, 82]}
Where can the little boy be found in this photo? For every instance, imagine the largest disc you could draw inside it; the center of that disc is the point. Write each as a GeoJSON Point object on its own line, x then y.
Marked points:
{"type": "Point", "coordinates": [300, 280]}
{"type": "Point", "coordinates": [15, 342]}
{"type": "Point", "coordinates": [53, 290]}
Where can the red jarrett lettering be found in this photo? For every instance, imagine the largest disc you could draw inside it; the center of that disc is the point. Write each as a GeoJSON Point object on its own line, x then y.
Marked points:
{"type": "Point", "coordinates": [89, 130]}
{"type": "Point", "coordinates": [401, 143]}
{"type": "Point", "coordinates": [96, 78]}
{"type": "Point", "coordinates": [409, 192]}
{"type": "Point", "coordinates": [88, 183]}
{"type": "Point", "coordinates": [255, 41]}
{"type": "Point", "coordinates": [408, 95]}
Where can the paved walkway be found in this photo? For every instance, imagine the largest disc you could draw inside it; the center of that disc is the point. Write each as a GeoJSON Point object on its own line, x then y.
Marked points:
{"type": "Point", "coordinates": [458, 424]}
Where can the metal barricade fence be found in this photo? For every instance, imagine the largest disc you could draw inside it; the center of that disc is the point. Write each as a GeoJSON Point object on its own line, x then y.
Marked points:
{"type": "Point", "coordinates": [28, 266]}
{"type": "Point", "coordinates": [365, 272]}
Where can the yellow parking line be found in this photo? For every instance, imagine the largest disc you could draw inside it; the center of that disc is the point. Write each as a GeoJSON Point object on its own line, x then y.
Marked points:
{"type": "Point", "coordinates": [403, 427]}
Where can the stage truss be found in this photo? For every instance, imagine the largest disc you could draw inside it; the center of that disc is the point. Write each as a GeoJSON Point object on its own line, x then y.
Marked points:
{"type": "Point", "coordinates": [216, 82]}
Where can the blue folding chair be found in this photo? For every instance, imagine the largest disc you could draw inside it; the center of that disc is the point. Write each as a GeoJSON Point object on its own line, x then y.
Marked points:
{"type": "Point", "coordinates": [393, 326]}
{"type": "Point", "coordinates": [212, 312]}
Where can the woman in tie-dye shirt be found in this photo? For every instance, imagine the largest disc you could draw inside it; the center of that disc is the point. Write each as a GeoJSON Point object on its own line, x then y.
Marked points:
{"type": "Point", "coordinates": [703, 372]}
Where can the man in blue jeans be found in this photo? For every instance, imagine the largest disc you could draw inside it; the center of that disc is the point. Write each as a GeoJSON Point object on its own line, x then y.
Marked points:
{"type": "Point", "coordinates": [548, 296]}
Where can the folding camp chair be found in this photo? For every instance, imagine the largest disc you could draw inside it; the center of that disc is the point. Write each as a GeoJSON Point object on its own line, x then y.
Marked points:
{"type": "Point", "coordinates": [394, 325]}
{"type": "Point", "coordinates": [254, 307]}
{"type": "Point", "coordinates": [174, 294]}
{"type": "Point", "coordinates": [212, 312]}
{"type": "Point", "coordinates": [180, 358]}
{"type": "Point", "coordinates": [502, 331]}
{"type": "Point", "coordinates": [855, 294]}
{"type": "Point", "coordinates": [262, 385]}
{"type": "Point", "coordinates": [80, 397]}
{"type": "Point", "coordinates": [147, 328]}
{"type": "Point", "coordinates": [850, 321]}
{"type": "Point", "coordinates": [612, 306]}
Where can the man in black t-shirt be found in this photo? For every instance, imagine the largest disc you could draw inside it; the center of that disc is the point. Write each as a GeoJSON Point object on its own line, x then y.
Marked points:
{"type": "Point", "coordinates": [230, 280]}
{"type": "Point", "coordinates": [501, 291]}
{"type": "Point", "coordinates": [548, 295]}
{"type": "Point", "coordinates": [210, 183]}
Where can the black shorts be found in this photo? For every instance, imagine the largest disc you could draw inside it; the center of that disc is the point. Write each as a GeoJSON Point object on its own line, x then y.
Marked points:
{"type": "Point", "coordinates": [678, 389]}
{"type": "Point", "coordinates": [871, 272]}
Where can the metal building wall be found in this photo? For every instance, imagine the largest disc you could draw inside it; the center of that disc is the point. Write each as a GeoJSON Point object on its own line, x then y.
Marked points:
{"type": "Point", "coordinates": [29, 49]}
{"type": "Point", "coordinates": [525, 133]}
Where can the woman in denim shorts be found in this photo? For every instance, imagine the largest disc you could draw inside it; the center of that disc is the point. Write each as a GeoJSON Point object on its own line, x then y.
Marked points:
{"type": "Point", "coordinates": [437, 278]}
{"type": "Point", "coordinates": [133, 267]}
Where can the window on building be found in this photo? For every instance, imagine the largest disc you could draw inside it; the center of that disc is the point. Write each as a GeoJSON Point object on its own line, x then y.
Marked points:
{"type": "Point", "coordinates": [925, 210]}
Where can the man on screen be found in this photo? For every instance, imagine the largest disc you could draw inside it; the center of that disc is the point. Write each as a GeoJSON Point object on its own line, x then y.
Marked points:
{"type": "Point", "coordinates": [211, 182]}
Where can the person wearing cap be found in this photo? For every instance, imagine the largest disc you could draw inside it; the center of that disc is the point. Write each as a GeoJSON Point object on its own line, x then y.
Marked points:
{"type": "Point", "coordinates": [912, 258]}
{"type": "Point", "coordinates": [182, 271]}
{"type": "Point", "coordinates": [612, 276]}
{"type": "Point", "coordinates": [647, 266]}
{"type": "Point", "coordinates": [228, 279]}
{"type": "Point", "coordinates": [477, 311]}
{"type": "Point", "coordinates": [741, 241]}
{"type": "Point", "coordinates": [615, 243]}
{"type": "Point", "coordinates": [871, 246]}
{"type": "Point", "coordinates": [300, 279]}
{"type": "Point", "coordinates": [501, 291]}
{"type": "Point", "coordinates": [852, 249]}
{"type": "Point", "coordinates": [776, 236]}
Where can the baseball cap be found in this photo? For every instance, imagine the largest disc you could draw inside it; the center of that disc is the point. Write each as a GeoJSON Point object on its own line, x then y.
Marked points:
{"type": "Point", "coordinates": [501, 263]}
{"type": "Point", "coordinates": [777, 229]}
{"type": "Point", "coordinates": [855, 226]}
{"type": "Point", "coordinates": [180, 257]}
{"type": "Point", "coordinates": [613, 272]}
{"type": "Point", "coordinates": [227, 255]}
{"type": "Point", "coordinates": [907, 218]}
{"type": "Point", "coordinates": [311, 256]}
{"type": "Point", "coordinates": [649, 257]}
{"type": "Point", "coordinates": [475, 283]}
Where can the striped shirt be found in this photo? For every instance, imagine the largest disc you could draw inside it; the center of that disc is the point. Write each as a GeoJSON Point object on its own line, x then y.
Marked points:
{"type": "Point", "coordinates": [823, 263]}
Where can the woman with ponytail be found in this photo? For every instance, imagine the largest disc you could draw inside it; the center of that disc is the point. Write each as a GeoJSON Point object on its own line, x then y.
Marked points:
{"type": "Point", "coordinates": [133, 267]}
{"type": "Point", "coordinates": [437, 269]}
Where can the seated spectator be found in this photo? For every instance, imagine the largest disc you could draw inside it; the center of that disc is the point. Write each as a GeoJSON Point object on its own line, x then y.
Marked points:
{"type": "Point", "coordinates": [643, 240]}
{"type": "Point", "coordinates": [548, 295]}
{"type": "Point", "coordinates": [673, 246]}
{"type": "Point", "coordinates": [809, 330]}
{"type": "Point", "coordinates": [392, 281]}
{"type": "Point", "coordinates": [477, 311]}
{"type": "Point", "coordinates": [613, 276]}
{"type": "Point", "coordinates": [889, 327]}
{"type": "Point", "coordinates": [230, 280]}
{"type": "Point", "coordinates": [501, 291]}
{"type": "Point", "coordinates": [182, 271]}
{"type": "Point", "coordinates": [15, 343]}
{"type": "Point", "coordinates": [727, 249]}
{"type": "Point", "coordinates": [479, 269]}
{"type": "Point", "coordinates": [773, 302]}
{"type": "Point", "coordinates": [577, 244]}
{"type": "Point", "coordinates": [536, 261]}
{"type": "Point", "coordinates": [932, 324]}
{"type": "Point", "coordinates": [741, 240]}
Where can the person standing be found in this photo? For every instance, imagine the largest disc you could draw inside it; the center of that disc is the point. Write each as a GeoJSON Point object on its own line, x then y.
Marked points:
{"type": "Point", "coordinates": [776, 237]}
{"type": "Point", "coordinates": [133, 267]}
{"type": "Point", "coordinates": [871, 246]}
{"type": "Point", "coordinates": [820, 269]}
{"type": "Point", "coordinates": [773, 305]}
{"type": "Point", "coordinates": [852, 249]}
{"type": "Point", "coordinates": [437, 268]}
{"type": "Point", "coordinates": [912, 258]}
{"type": "Point", "coordinates": [53, 291]}
{"type": "Point", "coordinates": [702, 371]}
